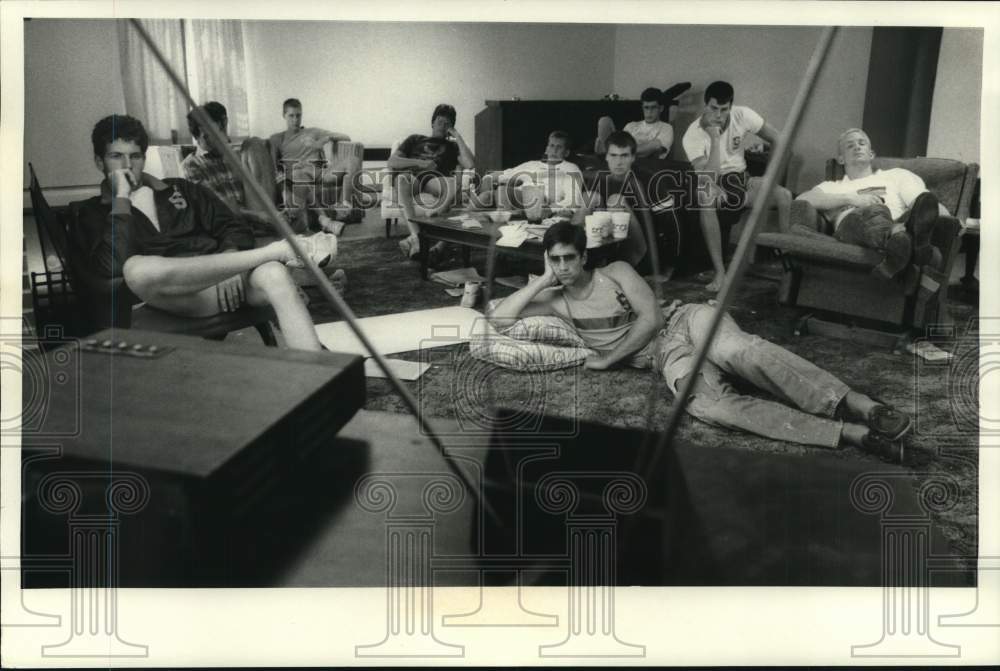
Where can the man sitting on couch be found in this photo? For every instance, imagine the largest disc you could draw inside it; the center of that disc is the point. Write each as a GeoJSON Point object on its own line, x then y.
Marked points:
{"type": "Point", "coordinates": [178, 247]}
{"type": "Point", "coordinates": [653, 136]}
{"type": "Point", "coordinates": [715, 143]}
{"type": "Point", "coordinates": [888, 210]}
{"type": "Point", "coordinates": [615, 313]}
{"type": "Point", "coordinates": [559, 179]}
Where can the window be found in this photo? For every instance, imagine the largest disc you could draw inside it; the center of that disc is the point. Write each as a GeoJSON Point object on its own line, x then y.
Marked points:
{"type": "Point", "coordinates": [208, 56]}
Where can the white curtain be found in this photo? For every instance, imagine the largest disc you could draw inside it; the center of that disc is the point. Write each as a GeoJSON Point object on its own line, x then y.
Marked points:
{"type": "Point", "coordinates": [150, 96]}
{"type": "Point", "coordinates": [209, 58]}
{"type": "Point", "coordinates": [217, 68]}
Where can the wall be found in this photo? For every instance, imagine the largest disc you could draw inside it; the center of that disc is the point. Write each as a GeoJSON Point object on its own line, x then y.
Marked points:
{"type": "Point", "coordinates": [955, 123]}
{"type": "Point", "coordinates": [72, 80]}
{"type": "Point", "coordinates": [379, 82]}
{"type": "Point", "coordinates": [765, 66]}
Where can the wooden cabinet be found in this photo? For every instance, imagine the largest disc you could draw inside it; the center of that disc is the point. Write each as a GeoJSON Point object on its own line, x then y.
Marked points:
{"type": "Point", "coordinates": [509, 132]}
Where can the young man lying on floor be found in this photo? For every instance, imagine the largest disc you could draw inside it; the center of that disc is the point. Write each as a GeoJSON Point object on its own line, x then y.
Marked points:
{"type": "Point", "coordinates": [179, 247]}
{"type": "Point", "coordinates": [615, 312]}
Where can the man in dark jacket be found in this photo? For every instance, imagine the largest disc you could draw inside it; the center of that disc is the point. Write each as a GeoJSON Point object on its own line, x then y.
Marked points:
{"type": "Point", "coordinates": [178, 247]}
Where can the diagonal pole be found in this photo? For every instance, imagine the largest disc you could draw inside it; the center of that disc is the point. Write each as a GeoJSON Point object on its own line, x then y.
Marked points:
{"type": "Point", "coordinates": [279, 223]}
{"type": "Point", "coordinates": [738, 265]}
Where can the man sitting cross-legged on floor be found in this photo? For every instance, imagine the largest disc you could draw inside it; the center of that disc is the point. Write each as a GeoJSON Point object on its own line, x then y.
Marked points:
{"type": "Point", "coordinates": [306, 166]}
{"type": "Point", "coordinates": [208, 168]}
{"type": "Point", "coordinates": [888, 210]}
{"type": "Point", "coordinates": [424, 165]}
{"type": "Point", "coordinates": [179, 248]}
{"type": "Point", "coordinates": [715, 143]}
{"type": "Point", "coordinates": [559, 179]}
{"type": "Point", "coordinates": [616, 314]}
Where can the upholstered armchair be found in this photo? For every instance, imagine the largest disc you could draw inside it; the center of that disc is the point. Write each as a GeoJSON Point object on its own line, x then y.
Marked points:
{"type": "Point", "coordinates": [824, 274]}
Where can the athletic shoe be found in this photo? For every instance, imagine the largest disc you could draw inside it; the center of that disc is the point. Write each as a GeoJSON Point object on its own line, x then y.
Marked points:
{"type": "Point", "coordinates": [920, 223]}
{"type": "Point", "coordinates": [408, 249]}
{"type": "Point", "coordinates": [320, 247]}
{"type": "Point", "coordinates": [889, 422]}
{"type": "Point", "coordinates": [339, 280]}
{"type": "Point", "coordinates": [887, 450]}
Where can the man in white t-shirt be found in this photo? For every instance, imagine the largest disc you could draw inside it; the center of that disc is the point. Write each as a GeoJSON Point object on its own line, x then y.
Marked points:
{"type": "Point", "coordinates": [653, 137]}
{"type": "Point", "coordinates": [715, 143]}
{"type": "Point", "coordinates": [559, 179]}
{"type": "Point", "coordinates": [888, 210]}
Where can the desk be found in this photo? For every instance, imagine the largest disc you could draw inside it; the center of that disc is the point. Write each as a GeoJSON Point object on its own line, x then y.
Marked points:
{"type": "Point", "coordinates": [440, 228]}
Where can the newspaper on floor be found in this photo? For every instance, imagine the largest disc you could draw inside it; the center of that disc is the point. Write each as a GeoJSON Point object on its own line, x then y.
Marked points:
{"type": "Point", "coordinates": [457, 277]}
{"type": "Point", "coordinates": [927, 351]}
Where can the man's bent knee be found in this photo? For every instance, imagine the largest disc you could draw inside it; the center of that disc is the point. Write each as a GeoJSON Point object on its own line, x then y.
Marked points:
{"type": "Point", "coordinates": [144, 275]}
{"type": "Point", "coordinates": [271, 276]}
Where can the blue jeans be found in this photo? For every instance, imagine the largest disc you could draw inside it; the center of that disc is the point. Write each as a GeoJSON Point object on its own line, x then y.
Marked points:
{"type": "Point", "coordinates": [767, 366]}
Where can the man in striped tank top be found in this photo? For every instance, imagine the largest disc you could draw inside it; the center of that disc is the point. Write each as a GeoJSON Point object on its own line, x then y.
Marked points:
{"type": "Point", "coordinates": [616, 314]}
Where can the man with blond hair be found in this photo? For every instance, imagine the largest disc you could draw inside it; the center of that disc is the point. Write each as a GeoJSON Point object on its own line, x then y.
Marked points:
{"type": "Point", "coordinates": [888, 210]}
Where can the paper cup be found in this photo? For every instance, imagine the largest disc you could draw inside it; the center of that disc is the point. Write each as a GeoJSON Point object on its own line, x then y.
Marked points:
{"type": "Point", "coordinates": [619, 224]}
{"type": "Point", "coordinates": [533, 198]}
{"type": "Point", "coordinates": [594, 228]}
{"type": "Point", "coordinates": [605, 219]}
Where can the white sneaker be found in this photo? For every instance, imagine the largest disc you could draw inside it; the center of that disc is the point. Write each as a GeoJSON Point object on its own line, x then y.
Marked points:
{"type": "Point", "coordinates": [339, 280]}
{"type": "Point", "coordinates": [321, 248]}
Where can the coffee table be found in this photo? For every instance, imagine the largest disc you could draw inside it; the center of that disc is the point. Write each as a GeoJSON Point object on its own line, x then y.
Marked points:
{"type": "Point", "coordinates": [440, 228]}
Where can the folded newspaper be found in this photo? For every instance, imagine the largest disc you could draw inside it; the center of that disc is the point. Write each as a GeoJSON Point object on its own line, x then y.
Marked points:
{"type": "Point", "coordinates": [457, 277]}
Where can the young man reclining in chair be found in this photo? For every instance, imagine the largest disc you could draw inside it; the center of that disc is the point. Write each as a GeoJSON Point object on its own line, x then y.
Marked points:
{"type": "Point", "coordinates": [306, 166]}
{"type": "Point", "coordinates": [179, 248]}
{"type": "Point", "coordinates": [615, 312]}
{"type": "Point", "coordinates": [888, 210]}
{"type": "Point", "coordinates": [424, 164]}
{"type": "Point", "coordinates": [208, 167]}
{"type": "Point", "coordinates": [559, 179]}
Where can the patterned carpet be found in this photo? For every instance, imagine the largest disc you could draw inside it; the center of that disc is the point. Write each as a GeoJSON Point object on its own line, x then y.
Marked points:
{"type": "Point", "coordinates": [459, 387]}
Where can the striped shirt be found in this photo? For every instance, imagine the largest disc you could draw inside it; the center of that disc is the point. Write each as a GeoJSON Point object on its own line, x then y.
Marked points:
{"type": "Point", "coordinates": [603, 318]}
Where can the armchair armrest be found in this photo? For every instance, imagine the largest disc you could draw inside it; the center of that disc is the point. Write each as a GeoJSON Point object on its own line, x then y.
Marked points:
{"type": "Point", "coordinates": [825, 250]}
{"type": "Point", "coordinates": [804, 214]}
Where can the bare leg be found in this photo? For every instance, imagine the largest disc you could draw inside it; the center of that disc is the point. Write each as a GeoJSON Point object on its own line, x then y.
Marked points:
{"type": "Point", "coordinates": [177, 276]}
{"type": "Point", "coordinates": [781, 200]}
{"type": "Point", "coordinates": [709, 220]}
{"type": "Point", "coordinates": [271, 284]}
{"type": "Point", "coordinates": [605, 127]}
{"type": "Point", "coordinates": [405, 184]}
{"type": "Point", "coordinates": [443, 190]}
